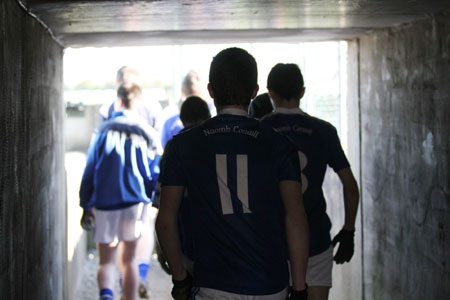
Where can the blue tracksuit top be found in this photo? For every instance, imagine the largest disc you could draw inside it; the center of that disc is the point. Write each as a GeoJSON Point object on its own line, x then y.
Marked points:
{"type": "Point", "coordinates": [122, 165]}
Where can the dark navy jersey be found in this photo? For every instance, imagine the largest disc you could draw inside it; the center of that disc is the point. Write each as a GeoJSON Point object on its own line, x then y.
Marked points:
{"type": "Point", "coordinates": [232, 166]}
{"type": "Point", "coordinates": [318, 146]}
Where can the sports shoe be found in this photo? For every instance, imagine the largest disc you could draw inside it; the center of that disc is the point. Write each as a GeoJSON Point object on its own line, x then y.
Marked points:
{"type": "Point", "coordinates": [143, 293]}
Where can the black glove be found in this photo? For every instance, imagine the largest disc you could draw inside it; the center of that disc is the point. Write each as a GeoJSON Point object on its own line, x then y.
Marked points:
{"type": "Point", "coordinates": [346, 246]}
{"type": "Point", "coordinates": [87, 220]}
{"type": "Point", "coordinates": [297, 295]}
{"type": "Point", "coordinates": [182, 289]}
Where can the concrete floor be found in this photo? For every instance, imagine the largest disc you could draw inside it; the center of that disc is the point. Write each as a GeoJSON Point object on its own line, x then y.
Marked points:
{"type": "Point", "coordinates": [158, 282]}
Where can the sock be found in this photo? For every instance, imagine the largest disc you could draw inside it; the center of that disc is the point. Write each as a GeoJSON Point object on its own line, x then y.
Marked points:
{"type": "Point", "coordinates": [106, 294]}
{"type": "Point", "coordinates": [143, 269]}
{"type": "Point", "coordinates": [120, 282]}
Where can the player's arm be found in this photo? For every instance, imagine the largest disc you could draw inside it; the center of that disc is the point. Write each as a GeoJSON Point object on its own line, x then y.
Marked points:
{"type": "Point", "coordinates": [296, 231]}
{"type": "Point", "coordinates": [167, 230]}
{"type": "Point", "coordinates": [345, 237]}
{"type": "Point", "coordinates": [87, 188]}
{"type": "Point", "coordinates": [351, 197]}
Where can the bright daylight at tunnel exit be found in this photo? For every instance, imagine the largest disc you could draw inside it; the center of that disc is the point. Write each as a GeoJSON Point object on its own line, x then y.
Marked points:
{"type": "Point", "coordinates": [90, 86]}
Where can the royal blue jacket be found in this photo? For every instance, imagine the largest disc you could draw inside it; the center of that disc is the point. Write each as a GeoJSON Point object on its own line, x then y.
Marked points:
{"type": "Point", "coordinates": [122, 165]}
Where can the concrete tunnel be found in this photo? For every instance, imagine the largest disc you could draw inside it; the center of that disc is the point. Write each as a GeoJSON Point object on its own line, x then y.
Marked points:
{"type": "Point", "coordinates": [398, 108]}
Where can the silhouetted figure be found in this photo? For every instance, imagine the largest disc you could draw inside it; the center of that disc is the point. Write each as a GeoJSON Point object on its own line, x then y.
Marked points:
{"type": "Point", "coordinates": [260, 106]}
{"type": "Point", "coordinates": [173, 125]}
{"type": "Point", "coordinates": [242, 182]}
{"type": "Point", "coordinates": [193, 112]}
{"type": "Point", "coordinates": [318, 146]}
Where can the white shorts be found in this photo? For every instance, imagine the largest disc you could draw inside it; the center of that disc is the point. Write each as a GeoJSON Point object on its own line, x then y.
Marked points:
{"type": "Point", "coordinates": [112, 226]}
{"type": "Point", "coordinates": [208, 294]}
{"type": "Point", "coordinates": [319, 269]}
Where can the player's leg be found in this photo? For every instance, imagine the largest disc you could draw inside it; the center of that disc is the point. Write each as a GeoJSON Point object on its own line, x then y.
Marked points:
{"type": "Point", "coordinates": [145, 249]}
{"type": "Point", "coordinates": [318, 275]}
{"type": "Point", "coordinates": [131, 219]}
{"type": "Point", "coordinates": [106, 269]}
{"type": "Point", "coordinates": [105, 236]}
{"type": "Point", "coordinates": [318, 292]}
{"type": "Point", "coordinates": [130, 270]}
{"type": "Point", "coordinates": [119, 264]}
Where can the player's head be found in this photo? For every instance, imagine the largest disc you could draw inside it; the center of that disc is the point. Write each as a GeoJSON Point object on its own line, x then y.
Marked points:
{"type": "Point", "coordinates": [129, 94]}
{"type": "Point", "coordinates": [260, 106]}
{"type": "Point", "coordinates": [286, 81]}
{"type": "Point", "coordinates": [128, 74]}
{"type": "Point", "coordinates": [191, 85]}
{"type": "Point", "coordinates": [233, 78]}
{"type": "Point", "coordinates": [194, 110]}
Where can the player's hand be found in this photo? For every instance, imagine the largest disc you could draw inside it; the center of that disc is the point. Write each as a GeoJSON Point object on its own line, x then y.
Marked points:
{"type": "Point", "coordinates": [87, 220]}
{"type": "Point", "coordinates": [345, 238]}
{"type": "Point", "coordinates": [182, 289]}
{"type": "Point", "coordinates": [297, 295]}
{"type": "Point", "coordinates": [162, 259]}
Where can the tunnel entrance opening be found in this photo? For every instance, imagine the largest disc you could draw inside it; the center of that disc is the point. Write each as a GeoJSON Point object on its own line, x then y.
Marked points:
{"type": "Point", "coordinates": [90, 86]}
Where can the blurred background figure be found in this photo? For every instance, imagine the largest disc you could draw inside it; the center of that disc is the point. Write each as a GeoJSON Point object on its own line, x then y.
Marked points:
{"type": "Point", "coordinates": [148, 109]}
{"type": "Point", "coordinates": [173, 125]}
{"type": "Point", "coordinates": [114, 195]}
{"type": "Point", "coordinates": [260, 106]}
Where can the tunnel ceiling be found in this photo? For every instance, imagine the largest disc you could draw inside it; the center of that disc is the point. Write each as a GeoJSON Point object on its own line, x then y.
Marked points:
{"type": "Point", "coordinates": [117, 23]}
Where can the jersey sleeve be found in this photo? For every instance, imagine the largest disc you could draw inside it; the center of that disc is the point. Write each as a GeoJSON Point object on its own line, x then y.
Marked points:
{"type": "Point", "coordinates": [336, 156]}
{"type": "Point", "coordinates": [287, 162]}
{"type": "Point", "coordinates": [87, 181]}
{"type": "Point", "coordinates": [171, 173]}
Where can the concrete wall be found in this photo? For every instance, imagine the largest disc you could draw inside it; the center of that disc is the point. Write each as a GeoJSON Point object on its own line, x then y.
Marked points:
{"type": "Point", "coordinates": [405, 118]}
{"type": "Point", "coordinates": [32, 181]}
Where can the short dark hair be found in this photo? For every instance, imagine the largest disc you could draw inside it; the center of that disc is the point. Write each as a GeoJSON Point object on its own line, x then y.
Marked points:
{"type": "Point", "coordinates": [286, 80]}
{"type": "Point", "coordinates": [129, 92]}
{"type": "Point", "coordinates": [194, 110]}
{"type": "Point", "coordinates": [233, 77]}
{"type": "Point", "coordinates": [260, 106]}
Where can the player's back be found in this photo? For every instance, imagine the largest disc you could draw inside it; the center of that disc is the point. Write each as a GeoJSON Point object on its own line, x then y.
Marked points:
{"type": "Point", "coordinates": [318, 146]}
{"type": "Point", "coordinates": [232, 166]}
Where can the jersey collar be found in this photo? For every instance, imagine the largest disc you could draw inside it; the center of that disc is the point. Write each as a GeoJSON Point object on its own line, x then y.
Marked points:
{"type": "Point", "coordinates": [289, 111]}
{"type": "Point", "coordinates": [233, 111]}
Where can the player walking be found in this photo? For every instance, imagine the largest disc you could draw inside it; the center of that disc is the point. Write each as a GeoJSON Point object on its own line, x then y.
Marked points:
{"type": "Point", "coordinates": [245, 197]}
{"type": "Point", "coordinates": [318, 146]}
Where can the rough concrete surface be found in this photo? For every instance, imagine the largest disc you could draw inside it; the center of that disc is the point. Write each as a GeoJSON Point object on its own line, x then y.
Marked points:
{"type": "Point", "coordinates": [405, 88]}
{"type": "Point", "coordinates": [101, 23]}
{"type": "Point", "coordinates": [32, 189]}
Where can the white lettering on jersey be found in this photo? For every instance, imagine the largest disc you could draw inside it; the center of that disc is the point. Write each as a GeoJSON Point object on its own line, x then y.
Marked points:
{"type": "Point", "coordinates": [242, 182]}
{"type": "Point", "coordinates": [210, 131]}
{"type": "Point", "coordinates": [226, 129]}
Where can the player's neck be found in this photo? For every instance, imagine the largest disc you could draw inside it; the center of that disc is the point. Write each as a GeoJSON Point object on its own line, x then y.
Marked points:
{"type": "Point", "coordinates": [241, 107]}
{"type": "Point", "coordinates": [282, 103]}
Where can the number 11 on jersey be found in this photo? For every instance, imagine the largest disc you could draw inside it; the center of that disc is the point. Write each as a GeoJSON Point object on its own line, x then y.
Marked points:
{"type": "Point", "coordinates": [242, 182]}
